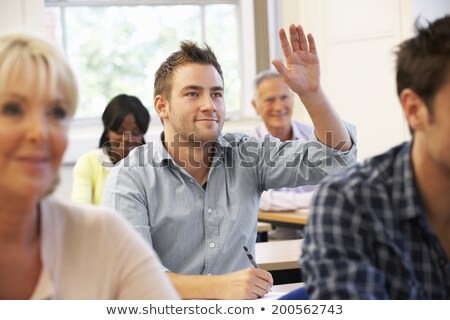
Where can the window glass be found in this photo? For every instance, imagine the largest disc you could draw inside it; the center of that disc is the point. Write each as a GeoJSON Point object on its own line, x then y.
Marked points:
{"type": "Point", "coordinates": [117, 48]}
{"type": "Point", "coordinates": [219, 18]}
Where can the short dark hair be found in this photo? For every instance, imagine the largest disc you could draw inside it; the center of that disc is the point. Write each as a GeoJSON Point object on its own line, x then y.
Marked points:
{"type": "Point", "coordinates": [423, 62]}
{"type": "Point", "coordinates": [189, 52]}
{"type": "Point", "coordinates": [117, 109]}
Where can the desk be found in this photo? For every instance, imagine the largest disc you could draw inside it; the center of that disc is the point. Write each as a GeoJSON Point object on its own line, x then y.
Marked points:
{"type": "Point", "coordinates": [292, 219]}
{"type": "Point", "coordinates": [278, 255]}
{"type": "Point", "coordinates": [264, 227]}
{"type": "Point", "coordinates": [281, 259]}
{"type": "Point", "coordinates": [263, 231]}
{"type": "Point", "coordinates": [280, 290]}
{"type": "Point", "coordinates": [285, 288]}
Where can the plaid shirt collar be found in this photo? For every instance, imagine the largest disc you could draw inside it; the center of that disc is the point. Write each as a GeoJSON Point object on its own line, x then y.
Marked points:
{"type": "Point", "coordinates": [406, 198]}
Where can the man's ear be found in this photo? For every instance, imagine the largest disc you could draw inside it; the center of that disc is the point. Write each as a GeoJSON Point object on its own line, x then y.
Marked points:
{"type": "Point", "coordinates": [255, 106]}
{"type": "Point", "coordinates": [414, 109]}
{"type": "Point", "coordinates": [161, 106]}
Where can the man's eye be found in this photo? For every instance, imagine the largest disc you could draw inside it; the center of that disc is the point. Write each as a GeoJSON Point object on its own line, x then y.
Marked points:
{"type": "Point", "coordinates": [192, 94]}
{"type": "Point", "coordinates": [12, 109]}
{"type": "Point", "coordinates": [217, 95]}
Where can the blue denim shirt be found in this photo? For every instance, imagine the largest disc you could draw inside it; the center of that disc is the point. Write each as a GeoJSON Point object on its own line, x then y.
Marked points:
{"type": "Point", "coordinates": [197, 231]}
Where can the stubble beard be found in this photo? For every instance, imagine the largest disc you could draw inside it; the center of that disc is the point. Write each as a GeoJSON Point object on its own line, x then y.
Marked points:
{"type": "Point", "coordinates": [196, 135]}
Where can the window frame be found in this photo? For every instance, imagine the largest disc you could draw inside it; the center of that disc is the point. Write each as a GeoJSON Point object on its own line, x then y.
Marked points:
{"type": "Point", "coordinates": [245, 17]}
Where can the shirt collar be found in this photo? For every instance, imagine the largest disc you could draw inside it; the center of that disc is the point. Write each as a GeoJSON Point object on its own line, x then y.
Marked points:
{"type": "Point", "coordinates": [406, 197]}
{"type": "Point", "coordinates": [104, 159]}
{"type": "Point", "coordinates": [162, 156]}
{"type": "Point", "coordinates": [295, 132]}
{"type": "Point", "coordinates": [159, 151]}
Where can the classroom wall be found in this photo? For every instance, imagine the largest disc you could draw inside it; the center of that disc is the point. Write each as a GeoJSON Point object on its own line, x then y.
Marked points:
{"type": "Point", "coordinates": [429, 10]}
{"type": "Point", "coordinates": [359, 64]}
{"type": "Point", "coordinates": [16, 15]}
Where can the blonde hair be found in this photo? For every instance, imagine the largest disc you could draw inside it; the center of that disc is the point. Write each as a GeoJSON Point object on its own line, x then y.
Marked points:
{"type": "Point", "coordinates": [21, 54]}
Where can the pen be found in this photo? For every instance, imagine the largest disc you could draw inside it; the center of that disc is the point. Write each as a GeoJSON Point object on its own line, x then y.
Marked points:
{"type": "Point", "coordinates": [250, 257]}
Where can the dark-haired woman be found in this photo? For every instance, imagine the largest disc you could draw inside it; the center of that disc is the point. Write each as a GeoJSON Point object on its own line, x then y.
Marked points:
{"type": "Point", "coordinates": [125, 122]}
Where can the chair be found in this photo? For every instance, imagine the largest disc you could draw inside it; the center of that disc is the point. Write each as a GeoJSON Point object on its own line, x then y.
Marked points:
{"type": "Point", "coordinates": [297, 294]}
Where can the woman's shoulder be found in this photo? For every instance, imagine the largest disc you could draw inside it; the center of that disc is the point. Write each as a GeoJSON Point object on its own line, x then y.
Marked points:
{"type": "Point", "coordinates": [82, 217]}
{"type": "Point", "coordinates": [99, 154]}
{"type": "Point", "coordinates": [93, 159]}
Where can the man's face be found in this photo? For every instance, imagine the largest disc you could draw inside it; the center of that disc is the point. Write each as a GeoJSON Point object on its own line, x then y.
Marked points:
{"type": "Point", "coordinates": [274, 103]}
{"type": "Point", "coordinates": [196, 108]}
{"type": "Point", "coordinates": [435, 135]}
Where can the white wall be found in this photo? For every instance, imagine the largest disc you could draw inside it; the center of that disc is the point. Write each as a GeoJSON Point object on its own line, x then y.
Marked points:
{"type": "Point", "coordinates": [17, 15]}
{"type": "Point", "coordinates": [430, 9]}
{"type": "Point", "coordinates": [359, 63]}
{"type": "Point", "coordinates": [356, 41]}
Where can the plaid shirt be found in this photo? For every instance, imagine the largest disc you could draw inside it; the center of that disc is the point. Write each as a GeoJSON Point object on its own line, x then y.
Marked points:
{"type": "Point", "coordinates": [368, 237]}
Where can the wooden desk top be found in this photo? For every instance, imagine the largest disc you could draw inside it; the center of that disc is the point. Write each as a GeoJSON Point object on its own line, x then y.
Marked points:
{"type": "Point", "coordinates": [264, 227]}
{"type": "Point", "coordinates": [287, 287]}
{"type": "Point", "coordinates": [278, 255]}
{"type": "Point", "coordinates": [289, 217]}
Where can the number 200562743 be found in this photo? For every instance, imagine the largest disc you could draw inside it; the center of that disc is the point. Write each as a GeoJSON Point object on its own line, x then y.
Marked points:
{"type": "Point", "coordinates": [307, 309]}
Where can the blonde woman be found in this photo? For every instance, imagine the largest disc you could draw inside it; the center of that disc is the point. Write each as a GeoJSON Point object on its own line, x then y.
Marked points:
{"type": "Point", "coordinates": [50, 249]}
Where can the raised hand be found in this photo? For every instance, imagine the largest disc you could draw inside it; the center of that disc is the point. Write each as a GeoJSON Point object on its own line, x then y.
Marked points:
{"type": "Point", "coordinates": [302, 70]}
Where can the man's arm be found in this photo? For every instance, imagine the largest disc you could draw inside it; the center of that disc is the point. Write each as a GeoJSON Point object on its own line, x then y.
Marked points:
{"type": "Point", "coordinates": [302, 75]}
{"type": "Point", "coordinates": [251, 283]}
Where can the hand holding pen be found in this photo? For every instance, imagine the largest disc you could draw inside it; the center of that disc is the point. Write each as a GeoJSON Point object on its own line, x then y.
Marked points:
{"type": "Point", "coordinates": [250, 257]}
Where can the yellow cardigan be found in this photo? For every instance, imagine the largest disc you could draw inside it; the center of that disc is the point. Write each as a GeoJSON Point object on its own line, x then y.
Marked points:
{"type": "Point", "coordinates": [89, 177]}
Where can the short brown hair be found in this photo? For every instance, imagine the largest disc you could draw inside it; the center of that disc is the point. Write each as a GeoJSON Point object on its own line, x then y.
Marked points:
{"type": "Point", "coordinates": [189, 52]}
{"type": "Point", "coordinates": [423, 62]}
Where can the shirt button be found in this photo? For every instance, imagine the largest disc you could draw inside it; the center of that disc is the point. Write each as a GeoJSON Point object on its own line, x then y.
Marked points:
{"type": "Point", "coordinates": [212, 245]}
{"type": "Point", "coordinates": [210, 210]}
{"type": "Point", "coordinates": [192, 181]}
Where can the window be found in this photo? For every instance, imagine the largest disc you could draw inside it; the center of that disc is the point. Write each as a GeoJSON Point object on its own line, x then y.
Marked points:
{"type": "Point", "coordinates": [116, 46]}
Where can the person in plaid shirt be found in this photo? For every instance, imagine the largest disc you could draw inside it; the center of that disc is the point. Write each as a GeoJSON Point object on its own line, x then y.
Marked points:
{"type": "Point", "coordinates": [381, 229]}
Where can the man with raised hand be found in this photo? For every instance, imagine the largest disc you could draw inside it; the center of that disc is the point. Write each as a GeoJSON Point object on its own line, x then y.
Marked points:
{"type": "Point", "coordinates": [193, 193]}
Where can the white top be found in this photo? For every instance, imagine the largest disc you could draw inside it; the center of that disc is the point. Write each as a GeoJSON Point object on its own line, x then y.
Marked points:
{"type": "Point", "coordinates": [88, 252]}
